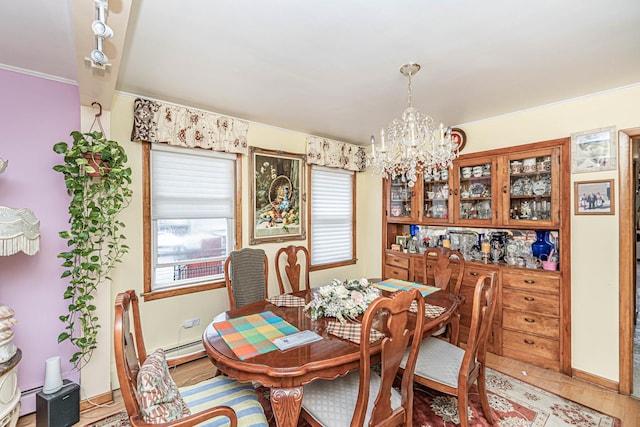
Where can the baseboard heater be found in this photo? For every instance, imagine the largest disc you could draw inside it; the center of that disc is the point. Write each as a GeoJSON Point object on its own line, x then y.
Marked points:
{"type": "Point", "coordinates": [186, 349]}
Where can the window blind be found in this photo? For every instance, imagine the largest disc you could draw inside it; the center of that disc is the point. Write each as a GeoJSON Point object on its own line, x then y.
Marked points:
{"type": "Point", "coordinates": [332, 215]}
{"type": "Point", "coordinates": [191, 186]}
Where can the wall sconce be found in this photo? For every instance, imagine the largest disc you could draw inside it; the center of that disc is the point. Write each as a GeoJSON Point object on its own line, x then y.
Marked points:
{"type": "Point", "coordinates": [101, 31]}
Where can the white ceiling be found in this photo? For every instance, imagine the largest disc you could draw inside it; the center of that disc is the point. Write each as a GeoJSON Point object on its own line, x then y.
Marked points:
{"type": "Point", "coordinates": [331, 67]}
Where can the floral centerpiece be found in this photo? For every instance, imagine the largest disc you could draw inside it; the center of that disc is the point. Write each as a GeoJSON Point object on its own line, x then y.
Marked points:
{"type": "Point", "coordinates": [342, 300]}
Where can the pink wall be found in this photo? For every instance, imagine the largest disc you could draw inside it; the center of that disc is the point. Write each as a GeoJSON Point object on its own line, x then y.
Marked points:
{"type": "Point", "coordinates": [35, 113]}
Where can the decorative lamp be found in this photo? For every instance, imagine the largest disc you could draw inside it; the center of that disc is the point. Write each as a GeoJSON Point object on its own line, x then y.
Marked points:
{"type": "Point", "coordinates": [19, 231]}
{"type": "Point", "coordinates": [412, 144]}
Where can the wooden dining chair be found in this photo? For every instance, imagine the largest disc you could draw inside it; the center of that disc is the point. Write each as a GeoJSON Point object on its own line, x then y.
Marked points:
{"type": "Point", "coordinates": [150, 394]}
{"type": "Point", "coordinates": [363, 397]}
{"type": "Point", "coordinates": [296, 258]}
{"type": "Point", "coordinates": [438, 264]}
{"type": "Point", "coordinates": [452, 370]}
{"type": "Point", "coordinates": [246, 274]}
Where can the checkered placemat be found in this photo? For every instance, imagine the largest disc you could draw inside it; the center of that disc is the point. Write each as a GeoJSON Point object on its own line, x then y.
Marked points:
{"type": "Point", "coordinates": [287, 300]}
{"type": "Point", "coordinates": [351, 331]}
{"type": "Point", "coordinates": [429, 310]}
{"type": "Point", "coordinates": [249, 336]}
{"type": "Point", "coordinates": [393, 285]}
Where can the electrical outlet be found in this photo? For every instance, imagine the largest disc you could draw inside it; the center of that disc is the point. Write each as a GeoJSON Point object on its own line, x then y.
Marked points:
{"type": "Point", "coordinates": [191, 323]}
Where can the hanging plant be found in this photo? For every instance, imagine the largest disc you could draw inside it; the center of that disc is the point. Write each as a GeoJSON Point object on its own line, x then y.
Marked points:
{"type": "Point", "coordinates": [98, 181]}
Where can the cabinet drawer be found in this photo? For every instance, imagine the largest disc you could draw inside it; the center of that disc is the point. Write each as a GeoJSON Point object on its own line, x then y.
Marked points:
{"type": "Point", "coordinates": [396, 261]}
{"type": "Point", "coordinates": [530, 348]}
{"type": "Point", "coordinates": [531, 323]}
{"type": "Point", "coordinates": [531, 282]}
{"type": "Point", "coordinates": [531, 301]}
{"type": "Point", "coordinates": [395, 273]}
{"type": "Point", "coordinates": [473, 272]}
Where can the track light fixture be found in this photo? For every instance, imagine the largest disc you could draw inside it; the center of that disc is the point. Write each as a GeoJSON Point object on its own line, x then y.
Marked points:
{"type": "Point", "coordinates": [101, 31]}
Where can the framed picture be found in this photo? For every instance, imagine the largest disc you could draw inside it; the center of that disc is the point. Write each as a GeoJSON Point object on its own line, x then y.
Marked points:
{"type": "Point", "coordinates": [277, 195]}
{"type": "Point", "coordinates": [593, 150]}
{"type": "Point", "coordinates": [459, 138]}
{"type": "Point", "coordinates": [402, 241]}
{"type": "Point", "coordinates": [594, 197]}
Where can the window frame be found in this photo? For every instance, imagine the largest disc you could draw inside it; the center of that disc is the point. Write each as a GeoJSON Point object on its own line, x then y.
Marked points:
{"type": "Point", "coordinates": [354, 258]}
{"type": "Point", "coordinates": [148, 253]}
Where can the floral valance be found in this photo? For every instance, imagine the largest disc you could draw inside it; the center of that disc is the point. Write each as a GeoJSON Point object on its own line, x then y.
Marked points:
{"type": "Point", "coordinates": [335, 154]}
{"type": "Point", "coordinates": [175, 125]}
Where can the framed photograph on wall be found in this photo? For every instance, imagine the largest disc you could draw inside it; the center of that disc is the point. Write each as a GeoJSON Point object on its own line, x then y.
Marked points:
{"type": "Point", "coordinates": [594, 197]}
{"type": "Point", "coordinates": [594, 150]}
{"type": "Point", "coordinates": [277, 195]}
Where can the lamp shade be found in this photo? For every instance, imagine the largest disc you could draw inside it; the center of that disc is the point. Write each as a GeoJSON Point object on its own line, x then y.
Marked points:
{"type": "Point", "coordinates": [19, 231]}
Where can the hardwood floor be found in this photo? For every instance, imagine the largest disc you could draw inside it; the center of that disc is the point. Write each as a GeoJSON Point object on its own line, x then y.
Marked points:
{"type": "Point", "coordinates": [624, 407]}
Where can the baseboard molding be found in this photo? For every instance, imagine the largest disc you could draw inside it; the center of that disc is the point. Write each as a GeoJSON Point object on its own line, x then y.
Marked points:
{"type": "Point", "coordinates": [602, 382]}
{"type": "Point", "coordinates": [100, 399]}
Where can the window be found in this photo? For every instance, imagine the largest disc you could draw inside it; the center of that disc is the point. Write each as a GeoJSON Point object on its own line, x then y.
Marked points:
{"type": "Point", "coordinates": [332, 217]}
{"type": "Point", "coordinates": [191, 222]}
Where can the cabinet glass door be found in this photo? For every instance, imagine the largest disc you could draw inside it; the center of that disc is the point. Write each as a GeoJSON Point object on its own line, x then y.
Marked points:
{"type": "Point", "coordinates": [531, 193]}
{"type": "Point", "coordinates": [400, 199]}
{"type": "Point", "coordinates": [475, 187]}
{"type": "Point", "coordinates": [436, 196]}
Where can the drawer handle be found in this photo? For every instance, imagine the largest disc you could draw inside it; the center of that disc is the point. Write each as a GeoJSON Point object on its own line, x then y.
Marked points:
{"type": "Point", "coordinates": [526, 319]}
{"type": "Point", "coordinates": [504, 189]}
{"type": "Point", "coordinates": [529, 282]}
{"type": "Point", "coordinates": [529, 298]}
{"type": "Point", "coordinates": [530, 342]}
{"type": "Point", "coordinates": [396, 260]}
{"type": "Point", "coordinates": [473, 273]}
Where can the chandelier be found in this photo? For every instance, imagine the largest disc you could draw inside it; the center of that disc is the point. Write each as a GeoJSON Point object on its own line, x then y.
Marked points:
{"type": "Point", "coordinates": [413, 143]}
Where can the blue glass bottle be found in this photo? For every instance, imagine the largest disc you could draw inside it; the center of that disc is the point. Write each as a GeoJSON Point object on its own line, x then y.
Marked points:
{"type": "Point", "coordinates": [540, 247]}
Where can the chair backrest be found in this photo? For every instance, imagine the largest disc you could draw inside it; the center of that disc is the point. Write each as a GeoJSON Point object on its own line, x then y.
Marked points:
{"type": "Point", "coordinates": [439, 261]}
{"type": "Point", "coordinates": [246, 275]}
{"type": "Point", "coordinates": [396, 315]}
{"type": "Point", "coordinates": [482, 312]}
{"type": "Point", "coordinates": [293, 264]}
{"type": "Point", "coordinates": [129, 349]}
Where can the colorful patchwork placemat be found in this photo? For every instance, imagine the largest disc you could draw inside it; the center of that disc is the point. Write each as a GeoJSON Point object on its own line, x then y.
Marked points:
{"type": "Point", "coordinates": [249, 336]}
{"type": "Point", "coordinates": [393, 285]}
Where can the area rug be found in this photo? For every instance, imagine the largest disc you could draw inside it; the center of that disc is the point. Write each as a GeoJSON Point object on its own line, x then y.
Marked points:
{"type": "Point", "coordinates": [513, 403]}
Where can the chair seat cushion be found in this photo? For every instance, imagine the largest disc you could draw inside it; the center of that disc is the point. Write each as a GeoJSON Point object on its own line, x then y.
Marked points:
{"type": "Point", "coordinates": [438, 361]}
{"type": "Point", "coordinates": [332, 402]}
{"type": "Point", "coordinates": [224, 391]}
{"type": "Point", "coordinates": [160, 400]}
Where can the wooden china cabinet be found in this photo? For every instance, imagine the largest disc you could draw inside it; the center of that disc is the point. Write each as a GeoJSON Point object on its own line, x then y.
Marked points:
{"type": "Point", "coordinates": [524, 188]}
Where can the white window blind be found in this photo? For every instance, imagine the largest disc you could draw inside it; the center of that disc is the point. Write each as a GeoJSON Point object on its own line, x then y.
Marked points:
{"type": "Point", "coordinates": [331, 215]}
{"type": "Point", "coordinates": [192, 215]}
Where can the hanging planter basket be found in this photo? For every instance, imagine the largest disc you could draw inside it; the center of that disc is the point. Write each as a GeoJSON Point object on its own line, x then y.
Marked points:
{"type": "Point", "coordinates": [96, 166]}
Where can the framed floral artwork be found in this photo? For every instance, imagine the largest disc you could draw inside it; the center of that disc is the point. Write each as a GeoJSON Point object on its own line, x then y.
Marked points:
{"type": "Point", "coordinates": [277, 196]}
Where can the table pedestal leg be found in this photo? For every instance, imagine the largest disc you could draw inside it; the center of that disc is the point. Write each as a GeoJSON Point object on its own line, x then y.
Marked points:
{"type": "Point", "coordinates": [286, 404]}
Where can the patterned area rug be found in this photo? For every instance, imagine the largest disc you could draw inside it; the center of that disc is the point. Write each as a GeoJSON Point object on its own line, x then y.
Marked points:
{"type": "Point", "coordinates": [513, 402]}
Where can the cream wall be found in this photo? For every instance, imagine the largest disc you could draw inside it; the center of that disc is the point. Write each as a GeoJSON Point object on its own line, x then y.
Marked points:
{"type": "Point", "coordinates": [594, 254]}
{"type": "Point", "coordinates": [594, 245]}
{"type": "Point", "coordinates": [162, 319]}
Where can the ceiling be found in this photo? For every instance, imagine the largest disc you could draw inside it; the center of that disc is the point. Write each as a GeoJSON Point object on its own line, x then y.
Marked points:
{"type": "Point", "coordinates": [331, 68]}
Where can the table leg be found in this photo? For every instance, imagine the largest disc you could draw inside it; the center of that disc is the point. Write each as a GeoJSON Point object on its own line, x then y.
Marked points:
{"type": "Point", "coordinates": [286, 404]}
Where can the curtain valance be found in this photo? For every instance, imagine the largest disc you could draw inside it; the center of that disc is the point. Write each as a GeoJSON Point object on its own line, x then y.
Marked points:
{"type": "Point", "coordinates": [335, 154]}
{"type": "Point", "coordinates": [175, 125]}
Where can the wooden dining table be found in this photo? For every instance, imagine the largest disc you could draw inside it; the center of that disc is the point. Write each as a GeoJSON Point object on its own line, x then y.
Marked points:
{"type": "Point", "coordinates": [286, 372]}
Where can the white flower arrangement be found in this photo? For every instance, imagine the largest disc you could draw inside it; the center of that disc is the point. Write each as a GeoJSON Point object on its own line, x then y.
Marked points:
{"type": "Point", "coordinates": [342, 300]}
